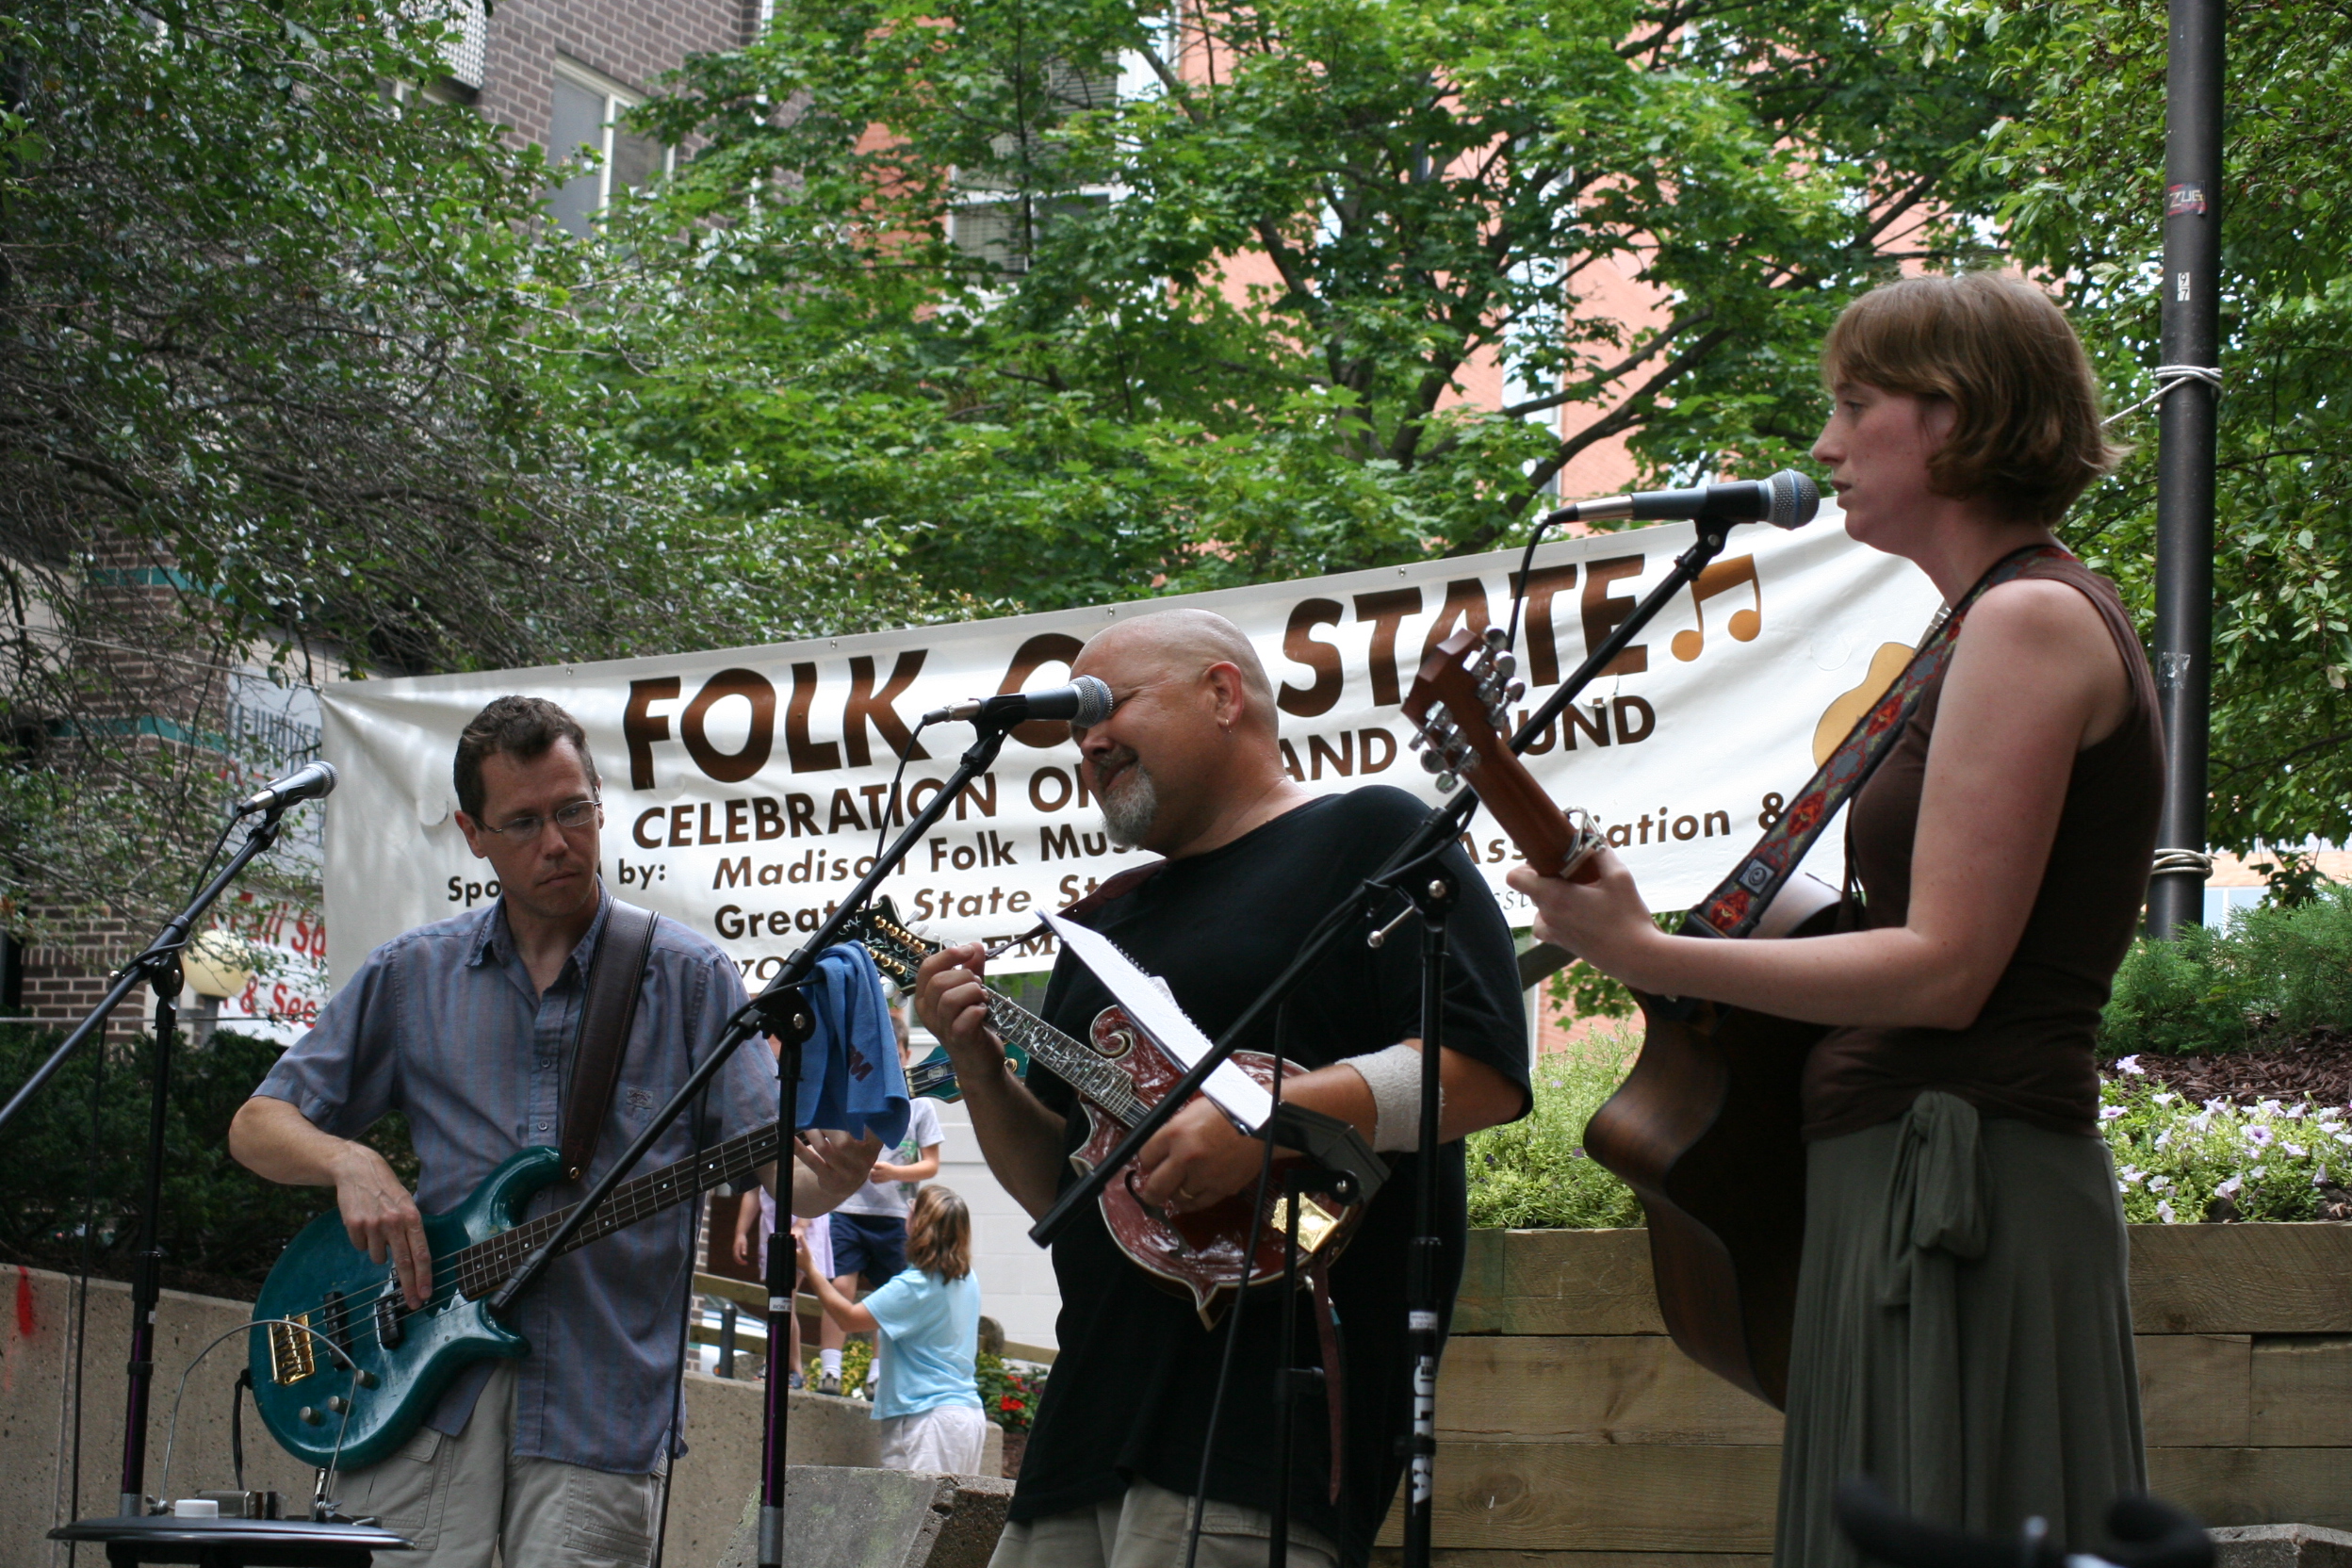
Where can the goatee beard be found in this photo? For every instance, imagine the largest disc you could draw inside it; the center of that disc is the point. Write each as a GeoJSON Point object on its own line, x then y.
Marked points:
{"type": "Point", "coordinates": [1128, 811]}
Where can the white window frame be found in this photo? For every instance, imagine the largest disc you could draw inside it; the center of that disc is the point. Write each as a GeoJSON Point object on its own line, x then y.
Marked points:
{"type": "Point", "coordinates": [619, 99]}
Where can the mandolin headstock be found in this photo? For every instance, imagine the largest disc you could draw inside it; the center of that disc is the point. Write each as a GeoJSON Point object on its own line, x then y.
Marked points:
{"type": "Point", "coordinates": [1460, 706]}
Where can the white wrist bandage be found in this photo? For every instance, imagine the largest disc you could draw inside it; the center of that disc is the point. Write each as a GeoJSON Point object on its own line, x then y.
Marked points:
{"type": "Point", "coordinates": [1394, 1076]}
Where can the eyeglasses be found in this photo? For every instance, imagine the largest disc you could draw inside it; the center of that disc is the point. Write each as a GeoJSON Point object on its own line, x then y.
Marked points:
{"type": "Point", "coordinates": [570, 818]}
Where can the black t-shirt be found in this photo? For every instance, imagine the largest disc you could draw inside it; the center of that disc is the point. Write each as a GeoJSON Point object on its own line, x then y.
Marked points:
{"type": "Point", "coordinates": [1136, 1374]}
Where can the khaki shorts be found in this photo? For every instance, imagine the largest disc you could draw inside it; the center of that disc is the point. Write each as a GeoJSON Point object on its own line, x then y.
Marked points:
{"type": "Point", "coordinates": [457, 1499]}
{"type": "Point", "coordinates": [1145, 1528]}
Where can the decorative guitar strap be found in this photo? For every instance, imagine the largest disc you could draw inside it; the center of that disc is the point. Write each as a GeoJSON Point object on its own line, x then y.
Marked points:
{"type": "Point", "coordinates": [1734, 908]}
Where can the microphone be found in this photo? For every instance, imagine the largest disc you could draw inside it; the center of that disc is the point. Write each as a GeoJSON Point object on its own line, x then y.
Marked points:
{"type": "Point", "coordinates": [1788, 499]}
{"type": "Point", "coordinates": [307, 782]}
{"type": "Point", "coordinates": [1084, 702]}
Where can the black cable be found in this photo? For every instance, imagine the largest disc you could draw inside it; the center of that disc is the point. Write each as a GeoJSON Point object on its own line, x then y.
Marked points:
{"type": "Point", "coordinates": [1241, 1293]}
{"type": "Point", "coordinates": [889, 802]}
{"type": "Point", "coordinates": [237, 1421]}
{"type": "Point", "coordinates": [1526, 566]}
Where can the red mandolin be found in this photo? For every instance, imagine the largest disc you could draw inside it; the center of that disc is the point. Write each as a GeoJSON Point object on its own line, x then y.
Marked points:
{"type": "Point", "coordinates": [1119, 1075]}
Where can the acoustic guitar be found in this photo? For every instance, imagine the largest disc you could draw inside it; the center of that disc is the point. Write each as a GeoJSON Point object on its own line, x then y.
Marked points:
{"type": "Point", "coordinates": [1120, 1074]}
{"type": "Point", "coordinates": [1705, 1127]}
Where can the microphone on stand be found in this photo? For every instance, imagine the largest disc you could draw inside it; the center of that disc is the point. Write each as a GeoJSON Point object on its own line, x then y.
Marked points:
{"type": "Point", "coordinates": [308, 782]}
{"type": "Point", "coordinates": [1788, 499]}
{"type": "Point", "coordinates": [1084, 702]}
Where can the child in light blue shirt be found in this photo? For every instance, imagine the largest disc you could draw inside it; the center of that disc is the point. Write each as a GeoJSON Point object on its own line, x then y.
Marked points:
{"type": "Point", "coordinates": [926, 1327]}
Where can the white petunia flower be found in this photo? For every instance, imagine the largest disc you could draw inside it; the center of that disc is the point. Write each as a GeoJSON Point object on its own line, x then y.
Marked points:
{"type": "Point", "coordinates": [2131, 1175]}
{"type": "Point", "coordinates": [2231, 1187]}
{"type": "Point", "coordinates": [2165, 1097]}
{"type": "Point", "coordinates": [2164, 1212]}
{"type": "Point", "coordinates": [2109, 1112]}
{"type": "Point", "coordinates": [2131, 1065]}
{"type": "Point", "coordinates": [2296, 1148]}
{"type": "Point", "coordinates": [2160, 1184]}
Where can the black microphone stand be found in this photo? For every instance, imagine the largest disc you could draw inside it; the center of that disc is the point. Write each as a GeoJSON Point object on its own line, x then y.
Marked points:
{"type": "Point", "coordinates": [1413, 871]}
{"type": "Point", "coordinates": [780, 1009]}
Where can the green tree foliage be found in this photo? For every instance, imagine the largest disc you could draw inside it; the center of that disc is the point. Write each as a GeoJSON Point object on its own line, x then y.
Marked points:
{"type": "Point", "coordinates": [1221, 323]}
{"type": "Point", "coordinates": [287, 361]}
{"type": "Point", "coordinates": [2086, 173]}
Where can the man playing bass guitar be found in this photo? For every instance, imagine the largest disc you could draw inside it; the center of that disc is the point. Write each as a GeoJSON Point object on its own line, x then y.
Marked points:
{"type": "Point", "coordinates": [1189, 765]}
{"type": "Point", "coordinates": [470, 1028]}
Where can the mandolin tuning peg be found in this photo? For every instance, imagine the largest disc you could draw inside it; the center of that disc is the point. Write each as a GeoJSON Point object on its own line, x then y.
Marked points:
{"type": "Point", "coordinates": [1433, 761]}
{"type": "Point", "coordinates": [1506, 666]}
{"type": "Point", "coordinates": [1498, 639]}
{"type": "Point", "coordinates": [1414, 742]}
{"type": "Point", "coordinates": [1446, 782]}
{"type": "Point", "coordinates": [1518, 689]}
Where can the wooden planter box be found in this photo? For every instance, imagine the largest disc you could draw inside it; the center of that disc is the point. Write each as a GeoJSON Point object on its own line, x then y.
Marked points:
{"type": "Point", "coordinates": [1572, 1432]}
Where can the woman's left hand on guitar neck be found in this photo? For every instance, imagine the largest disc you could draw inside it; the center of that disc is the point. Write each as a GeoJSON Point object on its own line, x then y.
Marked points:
{"type": "Point", "coordinates": [1198, 1159]}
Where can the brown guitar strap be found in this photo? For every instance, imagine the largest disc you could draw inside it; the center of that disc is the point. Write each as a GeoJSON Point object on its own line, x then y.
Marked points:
{"type": "Point", "coordinates": [1335, 1389]}
{"type": "Point", "coordinates": [1735, 907]}
{"type": "Point", "coordinates": [615, 977]}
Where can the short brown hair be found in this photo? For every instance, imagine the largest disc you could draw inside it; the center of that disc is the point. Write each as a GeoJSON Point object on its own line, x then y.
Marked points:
{"type": "Point", "coordinates": [938, 1233]}
{"type": "Point", "coordinates": [521, 727]}
{"type": "Point", "coordinates": [2000, 351]}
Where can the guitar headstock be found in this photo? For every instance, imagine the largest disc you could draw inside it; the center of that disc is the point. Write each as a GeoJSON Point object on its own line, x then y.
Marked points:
{"type": "Point", "coordinates": [1460, 706]}
{"type": "Point", "coordinates": [898, 952]}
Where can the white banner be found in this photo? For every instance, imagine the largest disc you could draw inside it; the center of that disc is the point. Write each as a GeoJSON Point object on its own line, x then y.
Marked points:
{"type": "Point", "coordinates": [742, 787]}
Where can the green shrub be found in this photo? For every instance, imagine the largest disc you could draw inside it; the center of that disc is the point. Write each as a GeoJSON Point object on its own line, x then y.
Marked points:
{"type": "Point", "coordinates": [1534, 1173]}
{"type": "Point", "coordinates": [68, 1160]}
{"type": "Point", "coordinates": [2275, 972]}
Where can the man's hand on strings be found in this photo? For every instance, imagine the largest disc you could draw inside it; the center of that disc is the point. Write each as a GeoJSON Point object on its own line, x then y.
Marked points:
{"type": "Point", "coordinates": [1197, 1160]}
{"type": "Point", "coordinates": [380, 1217]}
{"type": "Point", "coordinates": [951, 999]}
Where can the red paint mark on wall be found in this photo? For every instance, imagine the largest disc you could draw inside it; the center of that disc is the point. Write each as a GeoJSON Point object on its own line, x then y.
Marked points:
{"type": "Point", "coordinates": [26, 1321]}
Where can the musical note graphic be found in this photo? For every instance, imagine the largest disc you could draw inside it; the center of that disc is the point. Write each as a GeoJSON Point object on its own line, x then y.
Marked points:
{"type": "Point", "coordinates": [1722, 577]}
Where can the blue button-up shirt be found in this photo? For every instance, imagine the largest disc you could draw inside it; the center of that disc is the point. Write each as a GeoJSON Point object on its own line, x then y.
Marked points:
{"type": "Point", "coordinates": [444, 1025]}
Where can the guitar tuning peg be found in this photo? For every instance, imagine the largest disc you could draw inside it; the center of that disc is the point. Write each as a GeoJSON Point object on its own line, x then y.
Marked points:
{"type": "Point", "coordinates": [1506, 666]}
{"type": "Point", "coordinates": [1433, 761]}
{"type": "Point", "coordinates": [1446, 782]}
{"type": "Point", "coordinates": [1498, 639]}
{"type": "Point", "coordinates": [1518, 689]}
{"type": "Point", "coordinates": [1414, 742]}
{"type": "Point", "coordinates": [1499, 714]}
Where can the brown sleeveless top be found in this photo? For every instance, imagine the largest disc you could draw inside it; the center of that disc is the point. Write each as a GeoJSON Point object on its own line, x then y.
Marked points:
{"type": "Point", "coordinates": [2028, 1055]}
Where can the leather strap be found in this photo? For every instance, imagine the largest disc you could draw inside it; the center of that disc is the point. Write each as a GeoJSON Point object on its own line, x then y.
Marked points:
{"type": "Point", "coordinates": [615, 977]}
{"type": "Point", "coordinates": [1335, 1389]}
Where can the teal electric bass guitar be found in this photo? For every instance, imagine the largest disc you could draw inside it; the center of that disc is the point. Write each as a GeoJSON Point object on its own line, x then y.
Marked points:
{"type": "Point", "coordinates": [357, 1402]}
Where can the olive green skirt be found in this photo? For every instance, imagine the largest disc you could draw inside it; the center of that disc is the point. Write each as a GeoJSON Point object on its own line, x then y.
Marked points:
{"type": "Point", "coordinates": [1963, 1334]}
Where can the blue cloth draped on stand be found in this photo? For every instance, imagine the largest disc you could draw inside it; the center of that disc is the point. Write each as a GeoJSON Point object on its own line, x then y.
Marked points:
{"type": "Point", "coordinates": [850, 1077]}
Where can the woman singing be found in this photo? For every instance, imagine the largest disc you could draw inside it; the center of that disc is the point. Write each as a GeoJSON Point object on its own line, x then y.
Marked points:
{"type": "Point", "coordinates": [1963, 1332]}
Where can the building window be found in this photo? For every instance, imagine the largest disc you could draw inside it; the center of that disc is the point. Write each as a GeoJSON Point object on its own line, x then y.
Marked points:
{"type": "Point", "coordinates": [994, 220]}
{"type": "Point", "coordinates": [581, 131]}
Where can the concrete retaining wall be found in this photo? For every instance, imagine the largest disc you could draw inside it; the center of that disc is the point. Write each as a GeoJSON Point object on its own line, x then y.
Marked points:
{"type": "Point", "coordinates": [37, 1352]}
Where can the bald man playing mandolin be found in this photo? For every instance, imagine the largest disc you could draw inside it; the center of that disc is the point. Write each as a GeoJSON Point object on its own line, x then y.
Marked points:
{"type": "Point", "coordinates": [1188, 766]}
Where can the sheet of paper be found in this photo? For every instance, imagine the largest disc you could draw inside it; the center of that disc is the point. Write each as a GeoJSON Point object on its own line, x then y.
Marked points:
{"type": "Point", "coordinates": [1147, 1002]}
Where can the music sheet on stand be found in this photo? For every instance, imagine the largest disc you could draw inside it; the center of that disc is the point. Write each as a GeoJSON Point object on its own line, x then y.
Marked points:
{"type": "Point", "coordinates": [1150, 1008]}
